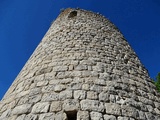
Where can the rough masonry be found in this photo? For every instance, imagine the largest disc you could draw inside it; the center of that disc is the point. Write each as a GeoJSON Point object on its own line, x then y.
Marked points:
{"type": "Point", "coordinates": [83, 69]}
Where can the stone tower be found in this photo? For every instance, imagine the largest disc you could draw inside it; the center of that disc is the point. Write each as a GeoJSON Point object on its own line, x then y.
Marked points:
{"type": "Point", "coordinates": [83, 69]}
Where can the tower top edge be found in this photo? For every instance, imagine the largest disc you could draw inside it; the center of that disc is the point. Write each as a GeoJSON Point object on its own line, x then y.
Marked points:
{"type": "Point", "coordinates": [66, 11]}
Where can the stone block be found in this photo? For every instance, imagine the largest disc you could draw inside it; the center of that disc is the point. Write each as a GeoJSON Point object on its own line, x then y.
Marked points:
{"type": "Point", "coordinates": [90, 68]}
{"type": "Point", "coordinates": [94, 74]}
{"type": "Point", "coordinates": [92, 105]}
{"type": "Point", "coordinates": [104, 75]}
{"type": "Point", "coordinates": [44, 70]}
{"type": "Point", "coordinates": [81, 67]}
{"type": "Point", "coordinates": [13, 117]}
{"type": "Point", "coordinates": [129, 111]}
{"type": "Point", "coordinates": [103, 96]}
{"type": "Point", "coordinates": [142, 115]}
{"type": "Point", "coordinates": [88, 62]}
{"type": "Point", "coordinates": [67, 94]}
{"type": "Point", "coordinates": [50, 97]}
{"type": "Point", "coordinates": [22, 109]}
{"type": "Point", "coordinates": [56, 106]}
{"type": "Point", "coordinates": [22, 93]}
{"type": "Point", "coordinates": [61, 75]}
{"type": "Point", "coordinates": [150, 116]}
{"type": "Point", "coordinates": [112, 98]}
{"type": "Point", "coordinates": [5, 114]}
{"type": "Point", "coordinates": [79, 94]}
{"type": "Point", "coordinates": [83, 115]}
{"type": "Point", "coordinates": [47, 116]}
{"type": "Point", "coordinates": [60, 68]}
{"type": "Point", "coordinates": [85, 87]}
{"type": "Point", "coordinates": [157, 105]}
{"type": "Point", "coordinates": [146, 101]}
{"type": "Point", "coordinates": [41, 107]}
{"type": "Point", "coordinates": [23, 100]}
{"type": "Point", "coordinates": [86, 73]}
{"type": "Point", "coordinates": [59, 88]}
{"type": "Point", "coordinates": [29, 75]}
{"type": "Point", "coordinates": [75, 86]}
{"type": "Point", "coordinates": [42, 83]}
{"type": "Point", "coordinates": [61, 116]}
{"type": "Point", "coordinates": [100, 82]}
{"type": "Point", "coordinates": [4, 107]}
{"type": "Point", "coordinates": [133, 118]}
{"type": "Point", "coordinates": [96, 88]}
{"type": "Point", "coordinates": [21, 117]}
{"type": "Point", "coordinates": [109, 117]}
{"type": "Point", "coordinates": [31, 117]}
{"type": "Point", "coordinates": [35, 91]}
{"type": "Point", "coordinates": [123, 118]}
{"type": "Point", "coordinates": [76, 73]}
{"type": "Point", "coordinates": [66, 81]}
{"type": "Point", "coordinates": [150, 108]}
{"type": "Point", "coordinates": [143, 107]}
{"type": "Point", "coordinates": [48, 88]}
{"type": "Point", "coordinates": [71, 105]}
{"type": "Point", "coordinates": [96, 116]}
{"type": "Point", "coordinates": [92, 95]}
{"type": "Point", "coordinates": [113, 109]}
{"type": "Point", "coordinates": [71, 67]}
{"type": "Point", "coordinates": [157, 111]}
{"type": "Point", "coordinates": [35, 98]}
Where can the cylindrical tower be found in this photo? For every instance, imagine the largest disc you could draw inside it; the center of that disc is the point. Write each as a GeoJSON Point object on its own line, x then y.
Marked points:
{"type": "Point", "coordinates": [83, 69]}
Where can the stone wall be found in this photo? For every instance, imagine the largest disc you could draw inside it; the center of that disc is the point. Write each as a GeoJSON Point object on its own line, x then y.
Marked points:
{"type": "Point", "coordinates": [83, 69]}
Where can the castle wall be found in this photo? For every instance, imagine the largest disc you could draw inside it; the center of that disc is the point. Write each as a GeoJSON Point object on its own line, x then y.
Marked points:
{"type": "Point", "coordinates": [83, 69]}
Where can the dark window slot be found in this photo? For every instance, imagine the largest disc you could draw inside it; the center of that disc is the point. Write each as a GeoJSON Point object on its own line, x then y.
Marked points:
{"type": "Point", "coordinates": [72, 115]}
{"type": "Point", "coordinates": [72, 14]}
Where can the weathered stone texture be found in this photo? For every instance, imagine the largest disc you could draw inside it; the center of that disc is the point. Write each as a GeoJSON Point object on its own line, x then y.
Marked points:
{"type": "Point", "coordinates": [83, 115]}
{"type": "Point", "coordinates": [83, 69]}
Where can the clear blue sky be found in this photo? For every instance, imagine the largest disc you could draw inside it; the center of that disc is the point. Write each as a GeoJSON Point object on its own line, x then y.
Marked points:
{"type": "Point", "coordinates": [23, 23]}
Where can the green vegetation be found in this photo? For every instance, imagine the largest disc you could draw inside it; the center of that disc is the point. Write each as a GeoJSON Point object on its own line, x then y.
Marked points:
{"type": "Point", "coordinates": [157, 82]}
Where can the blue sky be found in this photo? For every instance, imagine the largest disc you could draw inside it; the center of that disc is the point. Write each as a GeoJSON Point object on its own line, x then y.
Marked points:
{"type": "Point", "coordinates": [23, 23]}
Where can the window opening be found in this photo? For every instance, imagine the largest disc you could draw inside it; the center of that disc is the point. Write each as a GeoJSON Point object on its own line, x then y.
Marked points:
{"type": "Point", "coordinates": [72, 115]}
{"type": "Point", "coordinates": [72, 14]}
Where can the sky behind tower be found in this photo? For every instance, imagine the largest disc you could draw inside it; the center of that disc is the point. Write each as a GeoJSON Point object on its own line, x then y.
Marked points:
{"type": "Point", "coordinates": [23, 24]}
